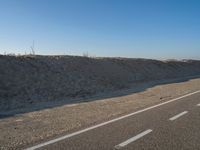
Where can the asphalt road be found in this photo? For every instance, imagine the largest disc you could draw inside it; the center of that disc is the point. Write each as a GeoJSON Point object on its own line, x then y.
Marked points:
{"type": "Point", "coordinates": [171, 126]}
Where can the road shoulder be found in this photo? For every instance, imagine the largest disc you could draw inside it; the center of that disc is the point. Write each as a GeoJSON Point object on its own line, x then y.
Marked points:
{"type": "Point", "coordinates": [35, 126]}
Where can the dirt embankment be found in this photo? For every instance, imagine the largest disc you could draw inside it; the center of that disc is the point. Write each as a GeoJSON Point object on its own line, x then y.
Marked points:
{"type": "Point", "coordinates": [26, 80]}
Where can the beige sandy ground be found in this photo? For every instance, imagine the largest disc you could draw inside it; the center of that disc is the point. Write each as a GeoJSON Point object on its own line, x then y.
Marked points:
{"type": "Point", "coordinates": [33, 127]}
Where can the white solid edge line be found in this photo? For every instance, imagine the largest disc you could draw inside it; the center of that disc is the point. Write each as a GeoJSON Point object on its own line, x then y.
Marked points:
{"type": "Point", "coordinates": [133, 139]}
{"type": "Point", "coordinates": [107, 122]}
{"type": "Point", "coordinates": [178, 115]}
{"type": "Point", "coordinates": [198, 104]}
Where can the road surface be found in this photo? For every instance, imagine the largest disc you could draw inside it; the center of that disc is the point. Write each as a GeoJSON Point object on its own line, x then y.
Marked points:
{"type": "Point", "coordinates": [171, 125]}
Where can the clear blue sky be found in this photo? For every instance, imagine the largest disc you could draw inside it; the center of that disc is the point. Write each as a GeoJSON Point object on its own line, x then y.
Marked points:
{"type": "Point", "coordinates": [161, 29]}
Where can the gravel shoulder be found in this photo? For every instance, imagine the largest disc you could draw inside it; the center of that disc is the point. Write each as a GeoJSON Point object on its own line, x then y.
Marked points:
{"type": "Point", "coordinates": [33, 127]}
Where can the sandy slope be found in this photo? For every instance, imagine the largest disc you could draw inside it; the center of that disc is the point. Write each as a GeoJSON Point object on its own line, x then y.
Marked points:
{"type": "Point", "coordinates": [29, 80]}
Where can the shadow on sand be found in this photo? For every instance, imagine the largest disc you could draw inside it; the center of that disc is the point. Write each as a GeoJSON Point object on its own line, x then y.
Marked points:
{"type": "Point", "coordinates": [139, 87]}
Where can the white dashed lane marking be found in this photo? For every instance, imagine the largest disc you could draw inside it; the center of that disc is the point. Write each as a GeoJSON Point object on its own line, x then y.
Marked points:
{"type": "Point", "coordinates": [177, 116]}
{"type": "Point", "coordinates": [133, 139]}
